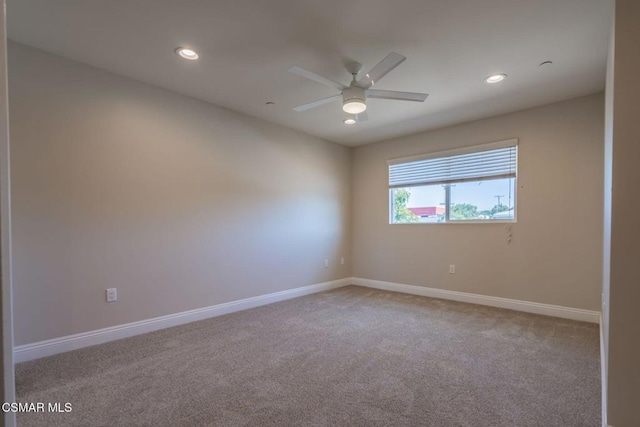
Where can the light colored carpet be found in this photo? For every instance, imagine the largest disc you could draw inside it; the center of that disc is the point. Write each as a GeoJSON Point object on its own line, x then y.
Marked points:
{"type": "Point", "coordinates": [348, 357]}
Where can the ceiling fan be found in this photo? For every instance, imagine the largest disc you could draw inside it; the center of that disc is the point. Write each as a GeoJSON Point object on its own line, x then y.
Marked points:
{"type": "Point", "coordinates": [355, 95]}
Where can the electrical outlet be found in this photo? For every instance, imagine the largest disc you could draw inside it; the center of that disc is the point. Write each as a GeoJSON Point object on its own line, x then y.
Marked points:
{"type": "Point", "coordinates": [326, 263]}
{"type": "Point", "coordinates": [452, 269]}
{"type": "Point", "coordinates": [112, 295]}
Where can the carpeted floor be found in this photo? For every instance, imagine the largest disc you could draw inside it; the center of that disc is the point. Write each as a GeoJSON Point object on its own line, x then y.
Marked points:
{"type": "Point", "coordinates": [348, 357]}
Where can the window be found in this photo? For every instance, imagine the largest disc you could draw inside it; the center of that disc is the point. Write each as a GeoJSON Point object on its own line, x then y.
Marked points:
{"type": "Point", "coordinates": [474, 184]}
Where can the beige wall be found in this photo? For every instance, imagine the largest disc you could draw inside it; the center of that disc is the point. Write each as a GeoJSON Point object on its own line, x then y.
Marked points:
{"type": "Point", "coordinates": [177, 203]}
{"type": "Point", "coordinates": [624, 286]}
{"type": "Point", "coordinates": [556, 253]}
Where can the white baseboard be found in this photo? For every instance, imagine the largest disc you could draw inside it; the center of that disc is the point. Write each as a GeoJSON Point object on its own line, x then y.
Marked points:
{"type": "Point", "coordinates": [512, 304]}
{"type": "Point", "coordinates": [50, 347]}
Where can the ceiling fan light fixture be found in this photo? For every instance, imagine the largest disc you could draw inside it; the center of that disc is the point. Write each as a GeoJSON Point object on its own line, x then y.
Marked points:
{"type": "Point", "coordinates": [353, 99]}
{"type": "Point", "coordinates": [186, 53]}
{"type": "Point", "coordinates": [354, 106]}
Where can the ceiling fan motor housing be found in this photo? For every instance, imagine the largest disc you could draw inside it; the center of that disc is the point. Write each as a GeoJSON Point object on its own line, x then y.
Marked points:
{"type": "Point", "coordinates": [353, 94]}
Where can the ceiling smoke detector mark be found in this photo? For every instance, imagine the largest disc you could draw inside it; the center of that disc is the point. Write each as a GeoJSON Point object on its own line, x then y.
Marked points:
{"type": "Point", "coordinates": [349, 121]}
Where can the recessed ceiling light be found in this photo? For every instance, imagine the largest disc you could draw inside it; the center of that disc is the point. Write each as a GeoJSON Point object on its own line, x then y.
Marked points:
{"type": "Point", "coordinates": [495, 78]}
{"type": "Point", "coordinates": [187, 53]}
{"type": "Point", "coordinates": [349, 121]}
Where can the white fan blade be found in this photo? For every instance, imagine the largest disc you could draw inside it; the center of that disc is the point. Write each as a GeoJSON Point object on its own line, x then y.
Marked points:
{"type": "Point", "coordinates": [317, 78]}
{"type": "Point", "coordinates": [392, 94]}
{"type": "Point", "coordinates": [318, 103]}
{"type": "Point", "coordinates": [383, 67]}
{"type": "Point", "coordinates": [359, 118]}
{"type": "Point", "coordinates": [362, 117]}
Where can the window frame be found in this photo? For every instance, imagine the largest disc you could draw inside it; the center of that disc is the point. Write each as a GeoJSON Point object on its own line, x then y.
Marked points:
{"type": "Point", "coordinates": [513, 142]}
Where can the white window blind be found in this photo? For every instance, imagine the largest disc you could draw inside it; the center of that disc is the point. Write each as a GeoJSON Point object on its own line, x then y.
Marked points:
{"type": "Point", "coordinates": [489, 161]}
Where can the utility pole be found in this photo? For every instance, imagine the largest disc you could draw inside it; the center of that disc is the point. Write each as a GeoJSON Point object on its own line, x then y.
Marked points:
{"type": "Point", "coordinates": [499, 197]}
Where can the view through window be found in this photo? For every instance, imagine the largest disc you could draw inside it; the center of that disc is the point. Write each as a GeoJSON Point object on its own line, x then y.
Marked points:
{"type": "Point", "coordinates": [472, 185]}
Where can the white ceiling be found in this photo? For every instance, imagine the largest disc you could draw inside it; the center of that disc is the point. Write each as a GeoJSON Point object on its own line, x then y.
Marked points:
{"type": "Point", "coordinates": [247, 46]}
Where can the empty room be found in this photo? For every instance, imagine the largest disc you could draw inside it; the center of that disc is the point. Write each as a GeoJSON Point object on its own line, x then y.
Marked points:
{"type": "Point", "coordinates": [299, 213]}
